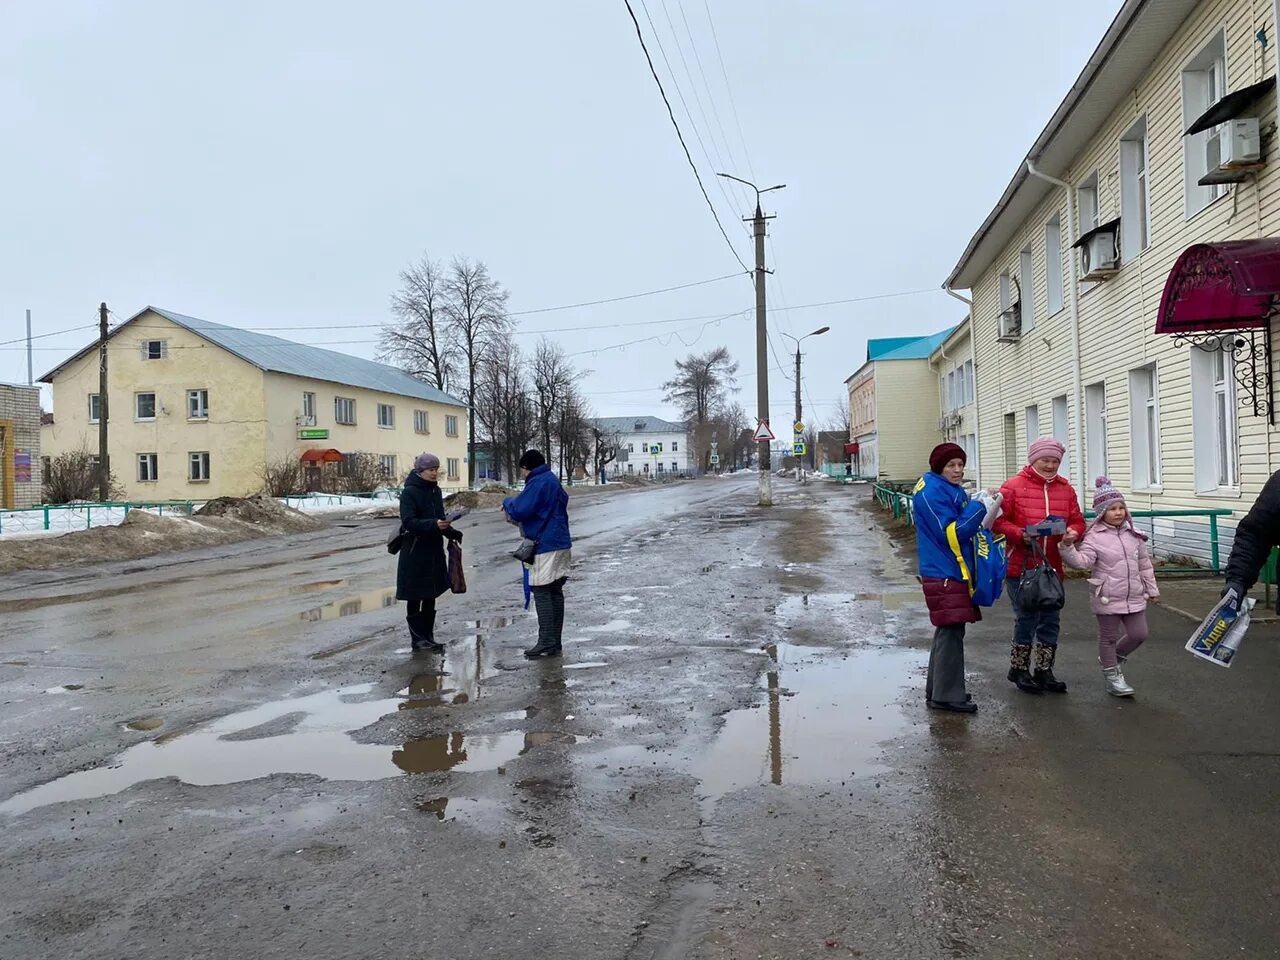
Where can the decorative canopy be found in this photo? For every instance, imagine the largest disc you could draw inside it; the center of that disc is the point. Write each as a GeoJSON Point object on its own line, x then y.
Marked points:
{"type": "Point", "coordinates": [1221, 286]}
{"type": "Point", "coordinates": [322, 456]}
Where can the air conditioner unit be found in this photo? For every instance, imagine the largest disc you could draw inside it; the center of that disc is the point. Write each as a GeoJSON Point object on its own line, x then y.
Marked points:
{"type": "Point", "coordinates": [1240, 143]}
{"type": "Point", "coordinates": [1010, 330]}
{"type": "Point", "coordinates": [1100, 255]}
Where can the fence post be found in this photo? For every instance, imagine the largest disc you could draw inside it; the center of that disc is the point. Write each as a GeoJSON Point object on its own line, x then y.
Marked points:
{"type": "Point", "coordinates": [88, 516]}
{"type": "Point", "coordinates": [1213, 542]}
{"type": "Point", "coordinates": [46, 516]}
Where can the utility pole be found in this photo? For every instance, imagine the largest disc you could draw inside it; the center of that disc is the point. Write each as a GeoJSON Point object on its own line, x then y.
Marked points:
{"type": "Point", "coordinates": [30, 373]}
{"type": "Point", "coordinates": [798, 436]}
{"type": "Point", "coordinates": [104, 460]}
{"type": "Point", "coordinates": [762, 338]}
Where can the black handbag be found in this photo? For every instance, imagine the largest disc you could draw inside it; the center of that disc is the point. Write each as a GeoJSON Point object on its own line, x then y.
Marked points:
{"type": "Point", "coordinates": [1040, 587]}
{"type": "Point", "coordinates": [396, 540]}
{"type": "Point", "coordinates": [525, 552]}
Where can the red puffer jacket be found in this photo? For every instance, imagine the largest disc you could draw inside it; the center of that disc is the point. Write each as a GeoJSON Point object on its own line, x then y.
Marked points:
{"type": "Point", "coordinates": [1029, 498]}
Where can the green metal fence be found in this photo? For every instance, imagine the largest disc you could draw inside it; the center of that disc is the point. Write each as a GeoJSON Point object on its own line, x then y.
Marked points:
{"type": "Point", "coordinates": [893, 495]}
{"type": "Point", "coordinates": [80, 516]}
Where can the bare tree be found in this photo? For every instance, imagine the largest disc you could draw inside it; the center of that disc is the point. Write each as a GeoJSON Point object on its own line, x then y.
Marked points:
{"type": "Point", "coordinates": [605, 447]}
{"type": "Point", "coordinates": [75, 476]}
{"type": "Point", "coordinates": [284, 477]}
{"type": "Point", "coordinates": [504, 408]}
{"type": "Point", "coordinates": [574, 436]}
{"type": "Point", "coordinates": [701, 388]}
{"type": "Point", "coordinates": [476, 307]}
{"type": "Point", "coordinates": [421, 341]}
{"type": "Point", "coordinates": [553, 381]}
{"type": "Point", "coordinates": [840, 419]}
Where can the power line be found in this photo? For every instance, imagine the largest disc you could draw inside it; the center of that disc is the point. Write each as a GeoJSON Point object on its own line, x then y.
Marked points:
{"type": "Point", "coordinates": [680, 137]}
{"type": "Point", "coordinates": [697, 57]}
{"type": "Point", "coordinates": [630, 296]}
{"type": "Point", "coordinates": [728, 88]}
{"type": "Point", "coordinates": [42, 336]}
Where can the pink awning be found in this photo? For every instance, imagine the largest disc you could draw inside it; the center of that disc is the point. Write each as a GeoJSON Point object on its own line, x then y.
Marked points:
{"type": "Point", "coordinates": [1221, 286]}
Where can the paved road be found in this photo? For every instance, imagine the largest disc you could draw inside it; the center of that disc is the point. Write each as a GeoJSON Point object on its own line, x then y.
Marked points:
{"type": "Point", "coordinates": [232, 753]}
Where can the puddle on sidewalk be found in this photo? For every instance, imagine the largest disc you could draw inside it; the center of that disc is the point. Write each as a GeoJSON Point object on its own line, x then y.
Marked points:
{"type": "Point", "coordinates": [823, 719]}
{"type": "Point", "coordinates": [144, 724]}
{"type": "Point", "coordinates": [308, 735]}
{"type": "Point", "coordinates": [468, 810]}
{"type": "Point", "coordinates": [350, 606]}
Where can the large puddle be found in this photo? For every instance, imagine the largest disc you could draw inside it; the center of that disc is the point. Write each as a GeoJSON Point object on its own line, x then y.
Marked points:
{"type": "Point", "coordinates": [308, 735]}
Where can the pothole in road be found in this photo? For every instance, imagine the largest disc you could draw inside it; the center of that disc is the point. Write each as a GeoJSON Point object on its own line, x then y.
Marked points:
{"type": "Point", "coordinates": [468, 810]}
{"type": "Point", "coordinates": [144, 724]}
{"type": "Point", "coordinates": [309, 735]}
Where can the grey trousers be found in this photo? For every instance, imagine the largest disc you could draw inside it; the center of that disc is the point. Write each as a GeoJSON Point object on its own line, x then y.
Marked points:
{"type": "Point", "coordinates": [946, 665]}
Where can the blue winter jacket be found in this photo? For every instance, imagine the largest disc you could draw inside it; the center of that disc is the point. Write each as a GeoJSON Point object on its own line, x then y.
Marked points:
{"type": "Point", "coordinates": [937, 504]}
{"type": "Point", "coordinates": [542, 510]}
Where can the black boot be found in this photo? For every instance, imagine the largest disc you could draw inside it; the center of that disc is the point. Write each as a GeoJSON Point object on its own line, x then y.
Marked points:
{"type": "Point", "coordinates": [1019, 669]}
{"type": "Point", "coordinates": [1044, 670]}
{"type": "Point", "coordinates": [546, 645]}
{"type": "Point", "coordinates": [557, 609]}
{"type": "Point", "coordinates": [422, 631]}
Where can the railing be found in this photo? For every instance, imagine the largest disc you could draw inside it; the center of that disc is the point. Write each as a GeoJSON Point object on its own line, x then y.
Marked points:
{"type": "Point", "coordinates": [892, 496]}
{"type": "Point", "coordinates": [80, 516]}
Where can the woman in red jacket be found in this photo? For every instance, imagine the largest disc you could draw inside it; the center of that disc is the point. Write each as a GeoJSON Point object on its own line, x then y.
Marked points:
{"type": "Point", "coordinates": [1037, 492]}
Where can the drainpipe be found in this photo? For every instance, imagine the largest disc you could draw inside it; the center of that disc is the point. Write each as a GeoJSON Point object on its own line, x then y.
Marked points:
{"type": "Point", "coordinates": [977, 420]}
{"type": "Point", "coordinates": [1073, 300]}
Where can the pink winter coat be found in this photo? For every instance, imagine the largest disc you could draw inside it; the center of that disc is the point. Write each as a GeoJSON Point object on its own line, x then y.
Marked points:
{"type": "Point", "coordinates": [1123, 576]}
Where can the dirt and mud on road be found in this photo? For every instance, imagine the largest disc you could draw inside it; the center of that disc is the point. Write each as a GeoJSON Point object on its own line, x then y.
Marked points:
{"type": "Point", "coordinates": [235, 754]}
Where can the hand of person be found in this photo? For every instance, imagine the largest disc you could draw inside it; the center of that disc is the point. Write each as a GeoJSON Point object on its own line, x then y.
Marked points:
{"type": "Point", "coordinates": [1235, 593]}
{"type": "Point", "coordinates": [443, 524]}
{"type": "Point", "coordinates": [1069, 538]}
{"type": "Point", "coordinates": [1028, 538]}
{"type": "Point", "coordinates": [1153, 598]}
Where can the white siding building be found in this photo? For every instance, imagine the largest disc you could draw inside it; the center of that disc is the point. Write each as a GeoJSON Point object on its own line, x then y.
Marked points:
{"type": "Point", "coordinates": [648, 446]}
{"type": "Point", "coordinates": [1124, 287]}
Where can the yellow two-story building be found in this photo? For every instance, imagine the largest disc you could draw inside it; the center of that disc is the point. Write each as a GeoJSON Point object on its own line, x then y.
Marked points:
{"type": "Point", "coordinates": [198, 410]}
{"type": "Point", "coordinates": [1125, 286]}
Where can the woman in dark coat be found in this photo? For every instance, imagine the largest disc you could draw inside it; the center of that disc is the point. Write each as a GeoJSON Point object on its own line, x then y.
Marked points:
{"type": "Point", "coordinates": [423, 573]}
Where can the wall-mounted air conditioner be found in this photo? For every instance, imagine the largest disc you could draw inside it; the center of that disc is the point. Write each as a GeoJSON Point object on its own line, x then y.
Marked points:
{"type": "Point", "coordinates": [1100, 254]}
{"type": "Point", "coordinates": [1010, 330]}
{"type": "Point", "coordinates": [1240, 143]}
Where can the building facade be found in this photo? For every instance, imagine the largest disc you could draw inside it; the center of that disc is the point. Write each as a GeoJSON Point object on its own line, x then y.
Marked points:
{"type": "Point", "coordinates": [20, 452]}
{"type": "Point", "coordinates": [953, 365]}
{"type": "Point", "coordinates": [648, 446]}
{"type": "Point", "coordinates": [198, 410]}
{"type": "Point", "coordinates": [886, 396]}
{"type": "Point", "coordinates": [1123, 287]}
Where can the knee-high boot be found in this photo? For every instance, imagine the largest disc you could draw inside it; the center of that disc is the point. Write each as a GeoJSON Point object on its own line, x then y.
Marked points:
{"type": "Point", "coordinates": [557, 607]}
{"type": "Point", "coordinates": [545, 605]}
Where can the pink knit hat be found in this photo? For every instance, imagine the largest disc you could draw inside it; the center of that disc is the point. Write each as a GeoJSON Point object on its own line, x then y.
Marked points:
{"type": "Point", "coordinates": [1106, 496]}
{"type": "Point", "coordinates": [1045, 447]}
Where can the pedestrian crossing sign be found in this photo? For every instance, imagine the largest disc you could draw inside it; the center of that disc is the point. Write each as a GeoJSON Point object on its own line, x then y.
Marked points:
{"type": "Point", "coordinates": [798, 449]}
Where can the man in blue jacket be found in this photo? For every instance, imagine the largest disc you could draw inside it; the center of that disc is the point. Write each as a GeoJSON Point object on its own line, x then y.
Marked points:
{"type": "Point", "coordinates": [939, 503]}
{"type": "Point", "coordinates": [542, 512]}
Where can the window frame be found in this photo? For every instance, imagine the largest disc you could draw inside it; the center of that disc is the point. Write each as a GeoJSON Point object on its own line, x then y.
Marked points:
{"type": "Point", "coordinates": [1095, 413]}
{"type": "Point", "coordinates": [387, 461]}
{"type": "Point", "coordinates": [1054, 276]}
{"type": "Point", "coordinates": [309, 408]}
{"type": "Point", "coordinates": [1215, 421]}
{"type": "Point", "coordinates": [1135, 191]}
{"type": "Point", "coordinates": [95, 418]}
{"type": "Point", "coordinates": [450, 424]}
{"type": "Point", "coordinates": [423, 416]}
{"type": "Point", "coordinates": [337, 411]}
{"type": "Point", "coordinates": [1144, 441]}
{"type": "Point", "coordinates": [194, 461]}
{"type": "Point", "coordinates": [1027, 281]}
{"type": "Point", "coordinates": [194, 393]}
{"type": "Point", "coordinates": [162, 353]}
{"type": "Point", "coordinates": [1203, 81]}
{"type": "Point", "coordinates": [153, 467]}
{"type": "Point", "coordinates": [390, 421]}
{"type": "Point", "coordinates": [453, 468]}
{"type": "Point", "coordinates": [1087, 189]}
{"type": "Point", "coordinates": [137, 406]}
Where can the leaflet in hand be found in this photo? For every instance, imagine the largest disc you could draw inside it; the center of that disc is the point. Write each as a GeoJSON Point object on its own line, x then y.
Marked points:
{"type": "Point", "coordinates": [1219, 635]}
{"type": "Point", "coordinates": [1048, 527]}
{"type": "Point", "coordinates": [456, 515]}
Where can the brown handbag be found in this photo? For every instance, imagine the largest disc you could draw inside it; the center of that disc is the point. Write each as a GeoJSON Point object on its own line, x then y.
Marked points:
{"type": "Point", "coordinates": [457, 578]}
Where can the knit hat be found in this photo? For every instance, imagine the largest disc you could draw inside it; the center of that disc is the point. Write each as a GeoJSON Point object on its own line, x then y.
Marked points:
{"type": "Point", "coordinates": [944, 453]}
{"type": "Point", "coordinates": [1045, 447]}
{"type": "Point", "coordinates": [532, 459]}
{"type": "Point", "coordinates": [1106, 496]}
{"type": "Point", "coordinates": [425, 461]}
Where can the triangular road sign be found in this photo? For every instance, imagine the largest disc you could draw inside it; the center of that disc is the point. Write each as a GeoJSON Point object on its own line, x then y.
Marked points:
{"type": "Point", "coordinates": [763, 433]}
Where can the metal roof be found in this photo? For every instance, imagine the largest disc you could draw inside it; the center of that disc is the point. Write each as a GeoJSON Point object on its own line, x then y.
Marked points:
{"type": "Point", "coordinates": [882, 345]}
{"type": "Point", "coordinates": [295, 359]}
{"type": "Point", "coordinates": [919, 348]}
{"type": "Point", "coordinates": [1131, 44]}
{"type": "Point", "coordinates": [637, 425]}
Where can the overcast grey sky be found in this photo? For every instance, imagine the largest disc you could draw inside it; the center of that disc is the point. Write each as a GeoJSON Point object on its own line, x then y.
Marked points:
{"type": "Point", "coordinates": [276, 164]}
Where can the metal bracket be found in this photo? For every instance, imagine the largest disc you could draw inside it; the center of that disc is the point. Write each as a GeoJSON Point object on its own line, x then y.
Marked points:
{"type": "Point", "coordinates": [1251, 362]}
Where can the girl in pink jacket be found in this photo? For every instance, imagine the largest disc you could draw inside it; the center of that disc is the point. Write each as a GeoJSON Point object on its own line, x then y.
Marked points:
{"type": "Point", "coordinates": [1123, 582]}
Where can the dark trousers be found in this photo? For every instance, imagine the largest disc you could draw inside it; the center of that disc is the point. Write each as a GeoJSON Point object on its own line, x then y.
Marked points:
{"type": "Point", "coordinates": [549, 602]}
{"type": "Point", "coordinates": [945, 683]}
{"type": "Point", "coordinates": [1038, 626]}
{"type": "Point", "coordinates": [421, 619]}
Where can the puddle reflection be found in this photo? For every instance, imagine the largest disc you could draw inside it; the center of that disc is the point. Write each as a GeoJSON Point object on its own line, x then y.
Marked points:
{"type": "Point", "coordinates": [349, 607]}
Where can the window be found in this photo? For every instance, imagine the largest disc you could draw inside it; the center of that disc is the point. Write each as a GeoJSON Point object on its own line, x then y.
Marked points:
{"type": "Point", "coordinates": [1204, 83]}
{"type": "Point", "coordinates": [388, 461]}
{"type": "Point", "coordinates": [420, 422]}
{"type": "Point", "coordinates": [644, 447]}
{"type": "Point", "coordinates": [148, 468]}
{"type": "Point", "coordinates": [1213, 413]}
{"type": "Point", "coordinates": [155, 349]}
{"type": "Point", "coordinates": [453, 468]}
{"type": "Point", "coordinates": [675, 467]}
{"type": "Point", "coordinates": [1144, 416]}
{"type": "Point", "coordinates": [1053, 265]}
{"type": "Point", "coordinates": [631, 448]}
{"type": "Point", "coordinates": [631, 468]}
{"type": "Point", "coordinates": [95, 408]}
{"type": "Point", "coordinates": [344, 465]}
{"type": "Point", "coordinates": [144, 406]}
{"type": "Point", "coordinates": [308, 409]}
{"type": "Point", "coordinates": [1095, 418]}
{"type": "Point", "coordinates": [197, 404]}
{"type": "Point", "coordinates": [970, 384]}
{"type": "Point", "coordinates": [970, 444]}
{"type": "Point", "coordinates": [660, 467]}
{"type": "Point", "coordinates": [386, 416]}
{"type": "Point", "coordinates": [1135, 223]}
{"type": "Point", "coordinates": [949, 393]}
{"type": "Point", "coordinates": [1006, 292]}
{"type": "Point", "coordinates": [675, 446]}
{"type": "Point", "coordinates": [344, 411]}
{"type": "Point", "coordinates": [1061, 429]}
{"type": "Point", "coordinates": [1012, 458]}
{"type": "Point", "coordinates": [198, 467]}
{"type": "Point", "coordinates": [1027, 281]}
{"type": "Point", "coordinates": [1033, 424]}
{"type": "Point", "coordinates": [451, 426]}
{"type": "Point", "coordinates": [1087, 204]}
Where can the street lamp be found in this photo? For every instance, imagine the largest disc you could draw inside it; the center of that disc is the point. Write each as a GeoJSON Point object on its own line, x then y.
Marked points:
{"type": "Point", "coordinates": [799, 408]}
{"type": "Point", "coordinates": [762, 362]}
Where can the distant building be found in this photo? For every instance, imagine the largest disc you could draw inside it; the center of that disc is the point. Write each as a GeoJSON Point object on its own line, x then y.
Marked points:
{"type": "Point", "coordinates": [892, 399]}
{"type": "Point", "coordinates": [648, 445]}
{"type": "Point", "coordinates": [20, 463]}
{"type": "Point", "coordinates": [952, 362]}
{"type": "Point", "coordinates": [198, 409]}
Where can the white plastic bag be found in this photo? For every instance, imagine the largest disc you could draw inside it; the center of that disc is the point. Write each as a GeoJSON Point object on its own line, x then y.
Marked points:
{"type": "Point", "coordinates": [1220, 633]}
{"type": "Point", "coordinates": [992, 502]}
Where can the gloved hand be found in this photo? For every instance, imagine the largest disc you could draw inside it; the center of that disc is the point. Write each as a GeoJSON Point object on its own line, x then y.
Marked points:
{"type": "Point", "coordinates": [1234, 593]}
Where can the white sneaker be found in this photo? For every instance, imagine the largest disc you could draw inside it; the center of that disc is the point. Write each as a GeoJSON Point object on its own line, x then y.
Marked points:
{"type": "Point", "coordinates": [1117, 686]}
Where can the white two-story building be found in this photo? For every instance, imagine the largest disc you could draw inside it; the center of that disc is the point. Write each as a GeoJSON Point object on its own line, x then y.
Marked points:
{"type": "Point", "coordinates": [647, 446]}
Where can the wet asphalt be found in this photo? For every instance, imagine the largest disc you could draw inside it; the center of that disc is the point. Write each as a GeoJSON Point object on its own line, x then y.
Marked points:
{"type": "Point", "coordinates": [232, 752]}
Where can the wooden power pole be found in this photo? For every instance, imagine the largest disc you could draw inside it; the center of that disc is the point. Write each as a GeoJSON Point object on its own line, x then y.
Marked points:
{"type": "Point", "coordinates": [104, 460]}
